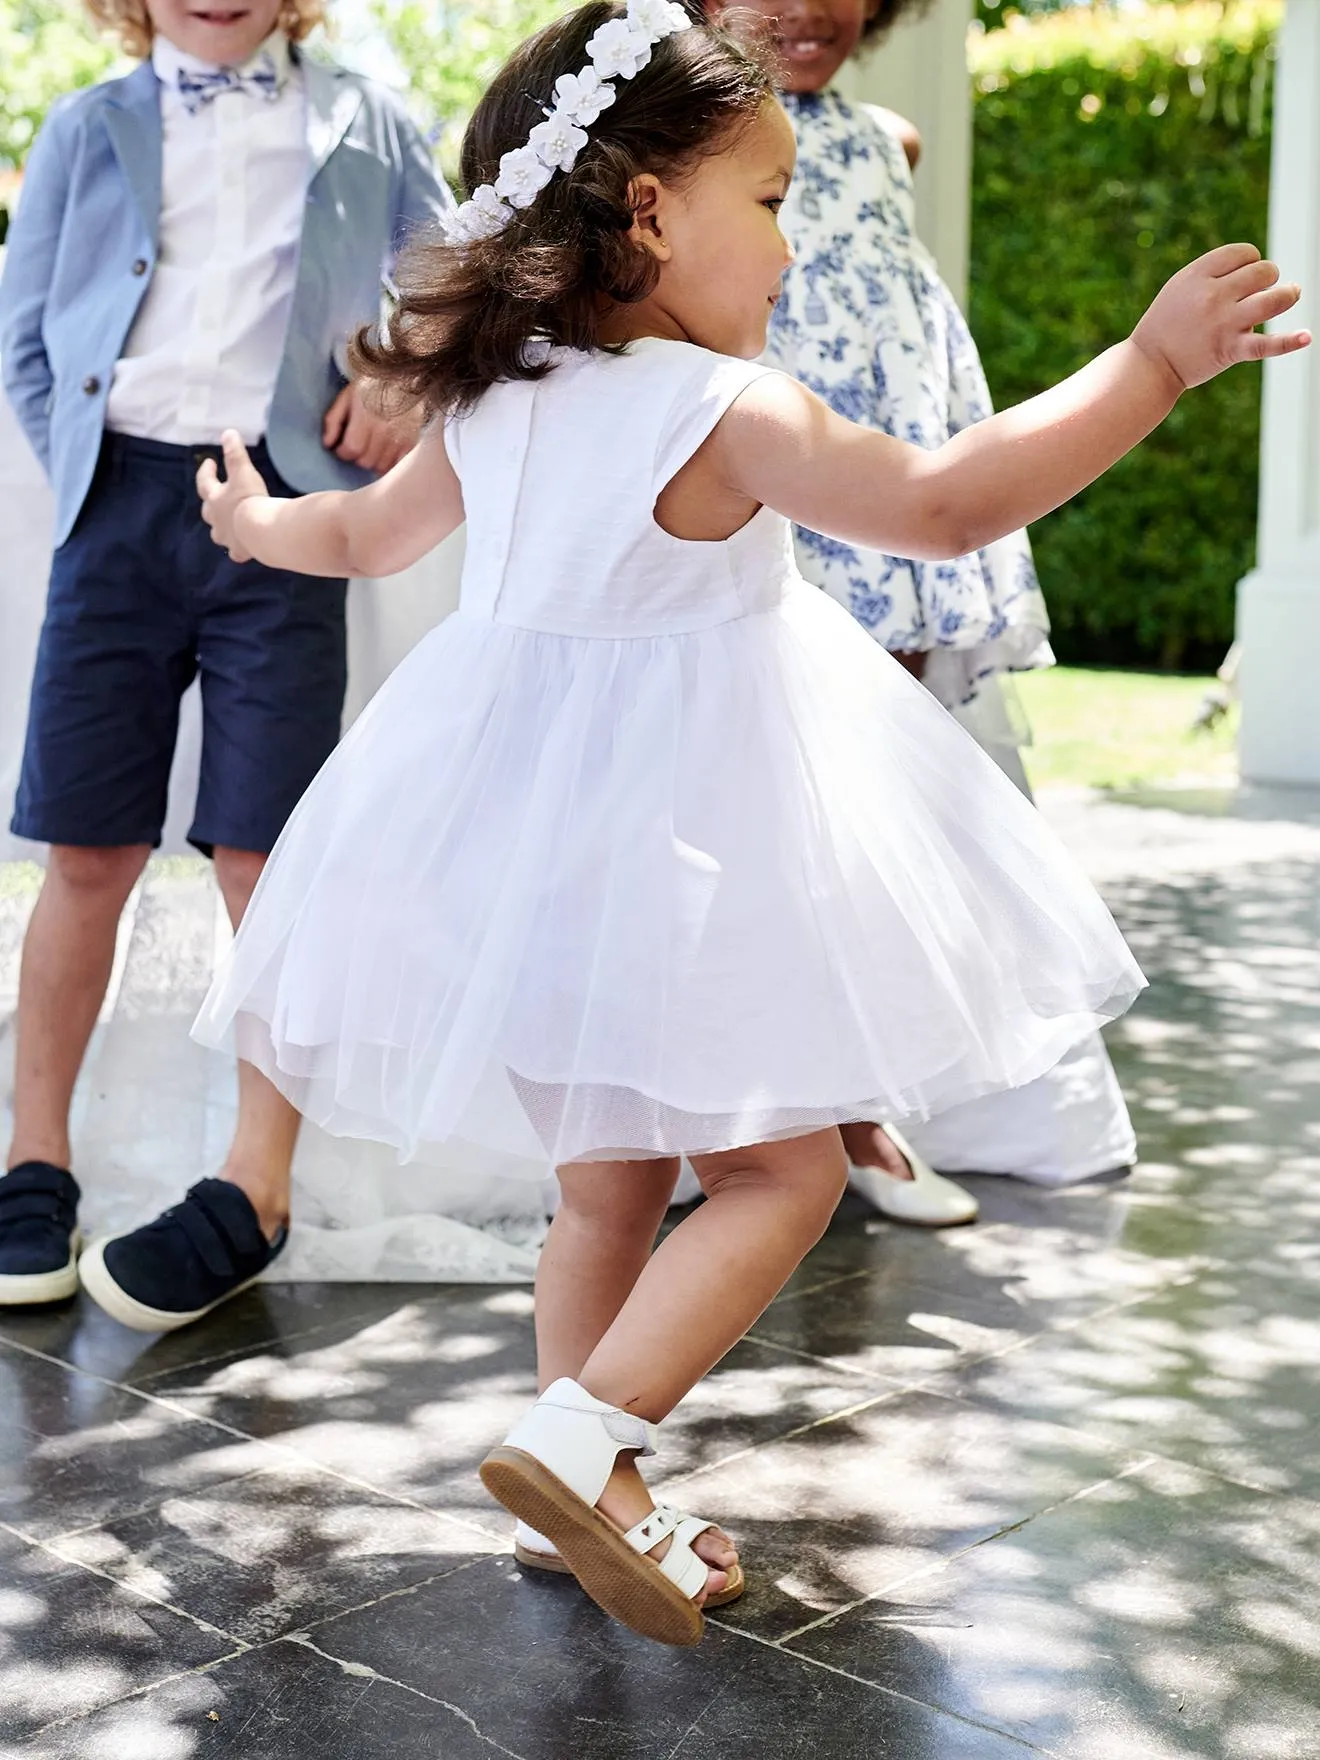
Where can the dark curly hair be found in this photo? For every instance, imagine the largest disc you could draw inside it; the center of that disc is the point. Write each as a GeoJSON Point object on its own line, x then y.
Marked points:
{"type": "Point", "coordinates": [889, 14]}
{"type": "Point", "coordinates": [467, 313]}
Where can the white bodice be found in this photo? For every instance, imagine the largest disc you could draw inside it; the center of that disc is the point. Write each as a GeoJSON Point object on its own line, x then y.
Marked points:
{"type": "Point", "coordinates": [560, 480]}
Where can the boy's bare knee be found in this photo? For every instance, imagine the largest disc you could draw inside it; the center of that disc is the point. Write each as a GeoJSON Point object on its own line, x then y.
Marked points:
{"type": "Point", "coordinates": [108, 874]}
{"type": "Point", "coordinates": [241, 867]}
{"type": "Point", "coordinates": [236, 873]}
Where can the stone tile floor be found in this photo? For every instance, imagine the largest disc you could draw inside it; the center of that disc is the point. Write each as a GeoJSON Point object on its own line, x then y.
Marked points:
{"type": "Point", "coordinates": [1050, 1485]}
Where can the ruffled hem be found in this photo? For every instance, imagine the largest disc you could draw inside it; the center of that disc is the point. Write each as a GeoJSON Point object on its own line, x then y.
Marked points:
{"type": "Point", "coordinates": [553, 1124]}
{"type": "Point", "coordinates": [562, 898]}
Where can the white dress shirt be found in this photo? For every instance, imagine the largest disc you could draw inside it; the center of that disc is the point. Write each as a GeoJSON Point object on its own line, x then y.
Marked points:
{"type": "Point", "coordinates": [206, 346]}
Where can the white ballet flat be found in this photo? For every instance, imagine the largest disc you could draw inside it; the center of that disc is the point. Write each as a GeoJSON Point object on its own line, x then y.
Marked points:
{"type": "Point", "coordinates": [927, 1200]}
{"type": "Point", "coordinates": [550, 1472]}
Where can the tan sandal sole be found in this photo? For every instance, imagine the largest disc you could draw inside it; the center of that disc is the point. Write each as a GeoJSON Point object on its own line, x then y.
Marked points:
{"type": "Point", "coordinates": [626, 1584]}
{"type": "Point", "coordinates": [549, 1562]}
{"type": "Point", "coordinates": [554, 1566]}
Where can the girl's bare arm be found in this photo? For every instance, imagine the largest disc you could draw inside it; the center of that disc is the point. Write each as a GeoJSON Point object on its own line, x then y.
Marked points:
{"type": "Point", "coordinates": [782, 446]}
{"type": "Point", "coordinates": [373, 531]}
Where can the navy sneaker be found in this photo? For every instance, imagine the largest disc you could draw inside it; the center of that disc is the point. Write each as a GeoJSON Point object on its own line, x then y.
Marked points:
{"type": "Point", "coordinates": [38, 1234]}
{"type": "Point", "coordinates": [190, 1259]}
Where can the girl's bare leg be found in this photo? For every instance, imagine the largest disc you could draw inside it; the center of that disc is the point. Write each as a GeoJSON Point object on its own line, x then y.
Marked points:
{"type": "Point", "coordinates": [868, 1146]}
{"type": "Point", "coordinates": [599, 1242]}
{"type": "Point", "coordinates": [602, 1236]}
{"type": "Point", "coordinates": [696, 1296]}
{"type": "Point", "coordinates": [767, 1206]}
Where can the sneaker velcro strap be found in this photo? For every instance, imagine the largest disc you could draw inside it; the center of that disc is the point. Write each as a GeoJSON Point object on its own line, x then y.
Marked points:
{"type": "Point", "coordinates": [30, 1206]}
{"type": "Point", "coordinates": [35, 1189]}
{"type": "Point", "coordinates": [215, 1247]}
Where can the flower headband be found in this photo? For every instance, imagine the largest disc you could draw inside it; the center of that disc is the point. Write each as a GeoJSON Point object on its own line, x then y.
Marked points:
{"type": "Point", "coordinates": [618, 50]}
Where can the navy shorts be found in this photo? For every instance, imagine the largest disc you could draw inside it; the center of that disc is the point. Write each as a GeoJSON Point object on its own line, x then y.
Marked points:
{"type": "Point", "coordinates": [141, 602]}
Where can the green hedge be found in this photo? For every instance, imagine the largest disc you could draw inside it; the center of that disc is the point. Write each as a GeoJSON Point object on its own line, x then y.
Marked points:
{"type": "Point", "coordinates": [45, 49]}
{"type": "Point", "coordinates": [451, 52]}
{"type": "Point", "coordinates": [1111, 148]}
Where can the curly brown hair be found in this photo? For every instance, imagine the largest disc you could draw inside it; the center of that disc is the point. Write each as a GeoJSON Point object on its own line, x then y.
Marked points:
{"type": "Point", "coordinates": [130, 22]}
{"type": "Point", "coordinates": [888, 15]}
{"type": "Point", "coordinates": [466, 314]}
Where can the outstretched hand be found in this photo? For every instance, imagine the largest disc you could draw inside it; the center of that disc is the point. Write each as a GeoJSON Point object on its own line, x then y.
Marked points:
{"type": "Point", "coordinates": [221, 500]}
{"type": "Point", "coordinates": [1205, 318]}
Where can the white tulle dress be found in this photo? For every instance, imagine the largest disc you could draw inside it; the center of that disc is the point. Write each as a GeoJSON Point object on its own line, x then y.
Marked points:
{"type": "Point", "coordinates": [649, 848]}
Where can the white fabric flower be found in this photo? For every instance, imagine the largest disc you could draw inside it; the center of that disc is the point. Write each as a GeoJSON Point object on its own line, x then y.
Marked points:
{"type": "Point", "coordinates": [619, 50]}
{"type": "Point", "coordinates": [556, 142]}
{"type": "Point", "coordinates": [523, 175]}
{"type": "Point", "coordinates": [482, 216]}
{"type": "Point", "coordinates": [658, 18]}
{"type": "Point", "coordinates": [582, 96]}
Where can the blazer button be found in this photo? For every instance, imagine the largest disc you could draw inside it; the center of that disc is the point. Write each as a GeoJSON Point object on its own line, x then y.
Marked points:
{"type": "Point", "coordinates": [91, 385]}
{"type": "Point", "coordinates": [140, 266]}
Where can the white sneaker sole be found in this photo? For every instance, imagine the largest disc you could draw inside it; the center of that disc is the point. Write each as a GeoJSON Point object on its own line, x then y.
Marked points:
{"type": "Point", "coordinates": [31, 1289]}
{"type": "Point", "coordinates": [119, 1305]}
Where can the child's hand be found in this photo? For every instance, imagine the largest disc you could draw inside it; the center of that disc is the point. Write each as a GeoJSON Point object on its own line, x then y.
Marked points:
{"type": "Point", "coordinates": [221, 501]}
{"type": "Point", "coordinates": [1205, 318]}
{"type": "Point", "coordinates": [356, 430]}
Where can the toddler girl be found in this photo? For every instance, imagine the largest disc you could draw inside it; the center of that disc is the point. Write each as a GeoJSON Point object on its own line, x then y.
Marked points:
{"type": "Point", "coordinates": [636, 854]}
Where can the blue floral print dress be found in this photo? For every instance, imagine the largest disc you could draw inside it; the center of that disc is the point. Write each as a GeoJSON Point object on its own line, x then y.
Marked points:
{"type": "Point", "coordinates": [867, 324]}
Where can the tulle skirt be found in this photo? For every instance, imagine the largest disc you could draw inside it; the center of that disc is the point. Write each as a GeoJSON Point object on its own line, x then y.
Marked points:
{"type": "Point", "coordinates": [576, 898]}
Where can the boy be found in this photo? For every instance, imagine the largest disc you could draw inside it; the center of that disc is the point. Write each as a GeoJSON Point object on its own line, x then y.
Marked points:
{"type": "Point", "coordinates": [194, 246]}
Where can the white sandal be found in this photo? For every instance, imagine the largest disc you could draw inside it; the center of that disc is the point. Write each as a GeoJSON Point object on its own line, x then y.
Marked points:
{"type": "Point", "coordinates": [550, 1472]}
{"type": "Point", "coordinates": [927, 1200]}
{"type": "Point", "coordinates": [535, 1553]}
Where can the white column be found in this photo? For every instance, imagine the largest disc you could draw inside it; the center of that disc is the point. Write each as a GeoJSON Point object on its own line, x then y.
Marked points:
{"type": "Point", "coordinates": [920, 70]}
{"type": "Point", "coordinates": [1278, 612]}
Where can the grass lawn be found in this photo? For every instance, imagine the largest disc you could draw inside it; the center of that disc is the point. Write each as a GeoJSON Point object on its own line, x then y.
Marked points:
{"type": "Point", "coordinates": [1112, 729]}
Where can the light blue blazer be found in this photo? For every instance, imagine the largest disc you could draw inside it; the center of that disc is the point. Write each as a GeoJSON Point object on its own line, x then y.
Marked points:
{"type": "Point", "coordinates": [83, 242]}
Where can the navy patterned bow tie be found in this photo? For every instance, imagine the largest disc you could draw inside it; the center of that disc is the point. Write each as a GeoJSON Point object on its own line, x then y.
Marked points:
{"type": "Point", "coordinates": [261, 78]}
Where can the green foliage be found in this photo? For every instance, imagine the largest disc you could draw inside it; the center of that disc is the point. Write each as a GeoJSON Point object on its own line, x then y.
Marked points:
{"type": "Point", "coordinates": [994, 14]}
{"type": "Point", "coordinates": [1111, 148]}
{"type": "Point", "coordinates": [45, 49]}
{"type": "Point", "coordinates": [451, 49]}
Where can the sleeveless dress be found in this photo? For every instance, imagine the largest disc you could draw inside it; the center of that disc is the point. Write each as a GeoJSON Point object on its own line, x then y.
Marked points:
{"type": "Point", "coordinates": [866, 322]}
{"type": "Point", "coordinates": [648, 848]}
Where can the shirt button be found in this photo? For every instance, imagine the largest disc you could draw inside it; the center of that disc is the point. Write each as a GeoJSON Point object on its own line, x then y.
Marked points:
{"type": "Point", "coordinates": [91, 385]}
{"type": "Point", "coordinates": [140, 266]}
